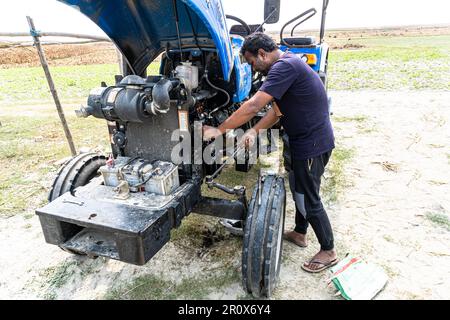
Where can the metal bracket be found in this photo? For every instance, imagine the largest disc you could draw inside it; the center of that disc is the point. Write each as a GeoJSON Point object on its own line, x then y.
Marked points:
{"type": "Point", "coordinates": [35, 33]}
{"type": "Point", "coordinates": [123, 190]}
{"type": "Point", "coordinates": [238, 191]}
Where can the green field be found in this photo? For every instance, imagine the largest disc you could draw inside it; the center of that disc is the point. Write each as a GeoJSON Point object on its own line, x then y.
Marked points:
{"type": "Point", "coordinates": [396, 63]}
{"type": "Point", "coordinates": [30, 144]}
{"type": "Point", "coordinates": [28, 85]}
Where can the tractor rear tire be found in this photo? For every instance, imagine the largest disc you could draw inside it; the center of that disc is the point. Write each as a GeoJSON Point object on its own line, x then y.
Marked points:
{"type": "Point", "coordinates": [263, 245]}
{"type": "Point", "coordinates": [76, 172]}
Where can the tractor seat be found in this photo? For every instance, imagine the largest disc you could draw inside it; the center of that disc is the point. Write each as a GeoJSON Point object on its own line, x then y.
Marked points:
{"type": "Point", "coordinates": [240, 30]}
{"type": "Point", "coordinates": [306, 41]}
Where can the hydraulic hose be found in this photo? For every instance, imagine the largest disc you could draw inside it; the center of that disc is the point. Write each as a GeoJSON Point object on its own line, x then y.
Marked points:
{"type": "Point", "coordinates": [218, 89]}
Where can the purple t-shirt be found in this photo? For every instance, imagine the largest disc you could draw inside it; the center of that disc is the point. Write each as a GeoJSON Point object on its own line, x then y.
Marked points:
{"type": "Point", "coordinates": [302, 99]}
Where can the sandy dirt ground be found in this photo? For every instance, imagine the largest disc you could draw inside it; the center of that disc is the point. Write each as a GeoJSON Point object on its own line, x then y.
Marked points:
{"type": "Point", "coordinates": [398, 176]}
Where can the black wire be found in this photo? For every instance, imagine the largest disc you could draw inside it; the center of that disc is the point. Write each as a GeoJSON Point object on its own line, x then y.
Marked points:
{"type": "Point", "coordinates": [146, 180]}
{"type": "Point", "coordinates": [126, 164]}
{"type": "Point", "coordinates": [143, 164]}
{"type": "Point", "coordinates": [219, 89]}
{"type": "Point", "coordinates": [178, 28]}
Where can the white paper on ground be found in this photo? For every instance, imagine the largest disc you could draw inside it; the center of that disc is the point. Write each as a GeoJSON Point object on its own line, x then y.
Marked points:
{"type": "Point", "coordinates": [358, 279]}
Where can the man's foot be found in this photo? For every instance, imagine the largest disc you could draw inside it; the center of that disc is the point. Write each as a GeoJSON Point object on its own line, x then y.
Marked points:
{"type": "Point", "coordinates": [296, 238]}
{"type": "Point", "coordinates": [321, 261]}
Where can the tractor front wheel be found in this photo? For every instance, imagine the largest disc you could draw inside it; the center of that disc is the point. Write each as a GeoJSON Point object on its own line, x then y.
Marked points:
{"type": "Point", "coordinates": [76, 172]}
{"type": "Point", "coordinates": [261, 256]}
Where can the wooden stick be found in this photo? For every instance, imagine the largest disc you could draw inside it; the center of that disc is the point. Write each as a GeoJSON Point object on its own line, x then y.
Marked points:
{"type": "Point", "coordinates": [13, 45]}
{"type": "Point", "coordinates": [51, 85]}
{"type": "Point", "coordinates": [55, 34]}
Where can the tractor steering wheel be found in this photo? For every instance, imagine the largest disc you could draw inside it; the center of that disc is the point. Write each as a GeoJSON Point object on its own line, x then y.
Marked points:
{"type": "Point", "coordinates": [242, 22]}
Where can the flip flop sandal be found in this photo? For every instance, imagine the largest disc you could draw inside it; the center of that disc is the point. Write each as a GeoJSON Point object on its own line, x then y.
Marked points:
{"type": "Point", "coordinates": [324, 265]}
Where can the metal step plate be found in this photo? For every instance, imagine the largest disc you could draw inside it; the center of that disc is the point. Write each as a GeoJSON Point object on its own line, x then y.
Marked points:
{"type": "Point", "coordinates": [93, 243]}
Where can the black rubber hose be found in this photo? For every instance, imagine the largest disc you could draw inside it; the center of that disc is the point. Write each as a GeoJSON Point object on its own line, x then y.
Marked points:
{"type": "Point", "coordinates": [161, 98]}
{"type": "Point", "coordinates": [218, 89]}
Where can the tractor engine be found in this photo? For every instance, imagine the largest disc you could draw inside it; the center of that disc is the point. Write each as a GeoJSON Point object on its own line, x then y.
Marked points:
{"type": "Point", "coordinates": [143, 112]}
{"type": "Point", "coordinates": [136, 99]}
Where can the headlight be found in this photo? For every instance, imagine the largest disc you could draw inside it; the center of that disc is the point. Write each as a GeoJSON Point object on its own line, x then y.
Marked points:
{"type": "Point", "coordinates": [309, 58]}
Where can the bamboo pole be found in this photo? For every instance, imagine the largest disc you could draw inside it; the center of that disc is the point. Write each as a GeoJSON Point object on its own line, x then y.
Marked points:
{"type": "Point", "coordinates": [51, 84]}
{"type": "Point", "coordinates": [9, 44]}
{"type": "Point", "coordinates": [55, 34]}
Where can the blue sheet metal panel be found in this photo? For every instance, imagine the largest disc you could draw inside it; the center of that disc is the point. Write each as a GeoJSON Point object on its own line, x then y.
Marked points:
{"type": "Point", "coordinates": [243, 71]}
{"type": "Point", "coordinates": [317, 50]}
{"type": "Point", "coordinates": [142, 29]}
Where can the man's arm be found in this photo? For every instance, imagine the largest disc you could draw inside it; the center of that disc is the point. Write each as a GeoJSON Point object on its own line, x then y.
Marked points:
{"type": "Point", "coordinates": [271, 117]}
{"type": "Point", "coordinates": [267, 121]}
{"type": "Point", "coordinates": [246, 112]}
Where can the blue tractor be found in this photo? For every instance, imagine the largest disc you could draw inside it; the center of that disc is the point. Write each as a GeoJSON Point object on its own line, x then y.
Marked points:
{"type": "Point", "coordinates": [314, 53]}
{"type": "Point", "coordinates": [125, 205]}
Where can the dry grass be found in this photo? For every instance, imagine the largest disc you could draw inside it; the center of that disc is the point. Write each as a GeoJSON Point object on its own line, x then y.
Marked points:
{"type": "Point", "coordinates": [59, 55]}
{"type": "Point", "coordinates": [30, 146]}
{"type": "Point", "coordinates": [387, 166]}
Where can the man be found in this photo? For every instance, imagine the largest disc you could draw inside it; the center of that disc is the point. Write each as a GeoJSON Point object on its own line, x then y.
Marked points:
{"type": "Point", "coordinates": [302, 106]}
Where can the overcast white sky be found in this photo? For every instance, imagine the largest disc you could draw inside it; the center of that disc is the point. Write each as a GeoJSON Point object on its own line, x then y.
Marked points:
{"type": "Point", "coordinates": [50, 15]}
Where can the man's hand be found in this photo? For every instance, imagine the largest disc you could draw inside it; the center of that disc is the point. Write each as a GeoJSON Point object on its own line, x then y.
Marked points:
{"type": "Point", "coordinates": [210, 133]}
{"type": "Point", "coordinates": [248, 139]}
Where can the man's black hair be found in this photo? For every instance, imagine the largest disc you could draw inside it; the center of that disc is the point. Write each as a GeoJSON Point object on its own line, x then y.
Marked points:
{"type": "Point", "coordinates": [257, 41]}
